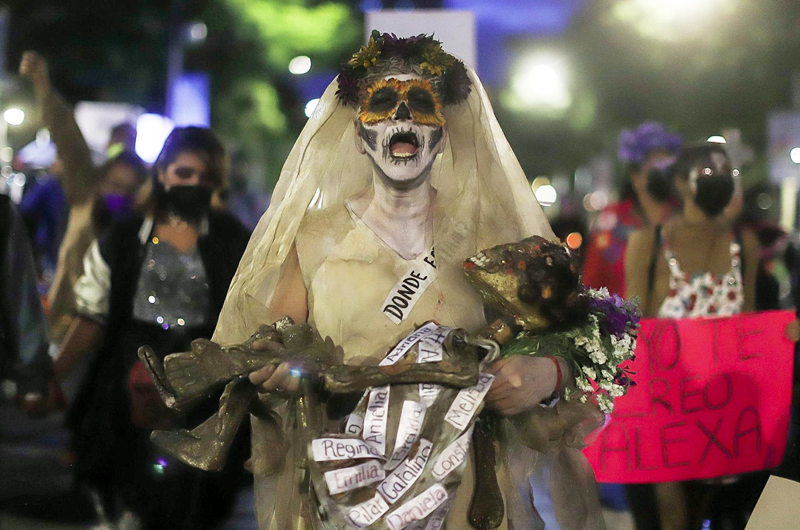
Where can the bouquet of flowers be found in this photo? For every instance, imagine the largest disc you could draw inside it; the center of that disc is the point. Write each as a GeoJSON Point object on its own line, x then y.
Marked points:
{"type": "Point", "coordinates": [535, 286]}
{"type": "Point", "coordinates": [596, 349]}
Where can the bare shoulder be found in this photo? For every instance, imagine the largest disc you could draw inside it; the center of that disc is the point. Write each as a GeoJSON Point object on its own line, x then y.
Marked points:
{"type": "Point", "coordinates": [641, 241]}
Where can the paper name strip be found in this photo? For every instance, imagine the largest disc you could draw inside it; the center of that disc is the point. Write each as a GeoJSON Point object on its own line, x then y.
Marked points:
{"type": "Point", "coordinates": [328, 449]}
{"type": "Point", "coordinates": [437, 520]}
{"type": "Point", "coordinates": [411, 419]}
{"type": "Point", "coordinates": [375, 419]}
{"type": "Point", "coordinates": [712, 399]}
{"type": "Point", "coordinates": [431, 350]}
{"type": "Point", "coordinates": [452, 457]}
{"type": "Point", "coordinates": [467, 402]}
{"type": "Point", "coordinates": [355, 424]}
{"type": "Point", "coordinates": [398, 351]}
{"type": "Point", "coordinates": [417, 508]}
{"type": "Point", "coordinates": [341, 480]}
{"type": "Point", "coordinates": [402, 478]}
{"type": "Point", "coordinates": [404, 296]}
{"type": "Point", "coordinates": [368, 512]}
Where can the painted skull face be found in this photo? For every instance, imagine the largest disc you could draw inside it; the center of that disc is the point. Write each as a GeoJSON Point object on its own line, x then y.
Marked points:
{"type": "Point", "coordinates": [400, 126]}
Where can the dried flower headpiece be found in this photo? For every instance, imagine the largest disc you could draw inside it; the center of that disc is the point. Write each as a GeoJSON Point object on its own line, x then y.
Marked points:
{"type": "Point", "coordinates": [386, 53]}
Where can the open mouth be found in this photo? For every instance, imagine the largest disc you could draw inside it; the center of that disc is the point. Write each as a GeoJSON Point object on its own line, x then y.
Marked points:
{"type": "Point", "coordinates": [403, 145]}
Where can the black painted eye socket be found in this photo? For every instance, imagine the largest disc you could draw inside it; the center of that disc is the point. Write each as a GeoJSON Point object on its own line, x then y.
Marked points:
{"type": "Point", "coordinates": [421, 100]}
{"type": "Point", "coordinates": [383, 100]}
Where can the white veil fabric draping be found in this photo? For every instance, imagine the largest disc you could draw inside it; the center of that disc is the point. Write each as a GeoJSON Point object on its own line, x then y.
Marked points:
{"type": "Point", "coordinates": [483, 199]}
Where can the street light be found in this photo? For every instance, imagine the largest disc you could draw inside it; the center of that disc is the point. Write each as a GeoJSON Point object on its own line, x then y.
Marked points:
{"type": "Point", "coordinates": [671, 20]}
{"type": "Point", "coordinates": [717, 140]}
{"type": "Point", "coordinates": [794, 154]}
{"type": "Point", "coordinates": [14, 116]}
{"type": "Point", "coordinates": [311, 106]}
{"type": "Point", "coordinates": [541, 82]}
{"type": "Point", "coordinates": [300, 65]}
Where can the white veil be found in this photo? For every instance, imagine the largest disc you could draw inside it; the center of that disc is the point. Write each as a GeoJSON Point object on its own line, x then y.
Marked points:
{"type": "Point", "coordinates": [483, 199]}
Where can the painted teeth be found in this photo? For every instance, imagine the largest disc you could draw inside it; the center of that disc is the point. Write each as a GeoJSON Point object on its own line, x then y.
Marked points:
{"type": "Point", "coordinates": [404, 155]}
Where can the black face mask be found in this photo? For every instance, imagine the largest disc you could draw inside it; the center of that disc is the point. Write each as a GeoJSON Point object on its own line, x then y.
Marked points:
{"type": "Point", "coordinates": [187, 202]}
{"type": "Point", "coordinates": [714, 193]}
{"type": "Point", "coordinates": [659, 185]}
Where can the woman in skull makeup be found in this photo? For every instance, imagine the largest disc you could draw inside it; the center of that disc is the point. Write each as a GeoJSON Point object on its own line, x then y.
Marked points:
{"type": "Point", "coordinates": [647, 200]}
{"type": "Point", "coordinates": [158, 279]}
{"type": "Point", "coordinates": [699, 266]}
{"type": "Point", "coordinates": [403, 154]}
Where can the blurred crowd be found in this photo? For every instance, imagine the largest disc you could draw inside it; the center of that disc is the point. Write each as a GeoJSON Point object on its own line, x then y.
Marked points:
{"type": "Point", "coordinates": [100, 258]}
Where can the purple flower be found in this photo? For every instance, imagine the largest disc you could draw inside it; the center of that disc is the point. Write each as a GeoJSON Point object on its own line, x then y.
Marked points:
{"type": "Point", "coordinates": [348, 88]}
{"type": "Point", "coordinates": [634, 146]}
{"type": "Point", "coordinates": [455, 84]}
{"type": "Point", "coordinates": [393, 46]}
{"type": "Point", "coordinates": [617, 316]}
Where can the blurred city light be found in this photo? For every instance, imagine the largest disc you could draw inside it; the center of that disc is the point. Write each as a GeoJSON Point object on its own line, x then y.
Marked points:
{"type": "Point", "coordinates": [311, 107]}
{"type": "Point", "coordinates": [151, 133]}
{"type": "Point", "coordinates": [541, 82]}
{"type": "Point", "coordinates": [371, 5]}
{"type": "Point", "coordinates": [717, 140]}
{"type": "Point", "coordinates": [198, 32]}
{"type": "Point", "coordinates": [7, 154]}
{"type": "Point", "coordinates": [574, 240]}
{"type": "Point", "coordinates": [14, 116]}
{"type": "Point", "coordinates": [671, 20]}
{"type": "Point", "coordinates": [300, 65]}
{"type": "Point", "coordinates": [795, 154]}
{"type": "Point", "coordinates": [546, 195]}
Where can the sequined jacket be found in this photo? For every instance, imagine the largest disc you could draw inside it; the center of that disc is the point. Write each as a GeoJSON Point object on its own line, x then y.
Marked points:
{"type": "Point", "coordinates": [95, 418]}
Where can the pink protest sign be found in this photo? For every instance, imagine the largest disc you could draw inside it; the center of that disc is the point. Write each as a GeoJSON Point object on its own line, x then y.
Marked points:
{"type": "Point", "coordinates": [712, 399]}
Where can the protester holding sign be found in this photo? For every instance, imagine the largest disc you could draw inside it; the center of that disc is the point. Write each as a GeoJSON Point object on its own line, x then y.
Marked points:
{"type": "Point", "coordinates": [699, 267]}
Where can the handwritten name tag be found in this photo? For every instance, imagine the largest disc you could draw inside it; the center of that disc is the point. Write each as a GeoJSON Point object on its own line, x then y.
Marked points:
{"type": "Point", "coordinates": [402, 478]}
{"type": "Point", "coordinates": [355, 424]}
{"type": "Point", "coordinates": [367, 512]}
{"type": "Point", "coordinates": [327, 449]}
{"type": "Point", "coordinates": [411, 419]}
{"type": "Point", "coordinates": [341, 480]}
{"type": "Point", "coordinates": [431, 350]}
{"type": "Point", "coordinates": [452, 457]}
{"type": "Point", "coordinates": [376, 418]}
{"type": "Point", "coordinates": [404, 345]}
{"type": "Point", "coordinates": [404, 296]}
{"type": "Point", "coordinates": [467, 402]}
{"type": "Point", "coordinates": [417, 508]}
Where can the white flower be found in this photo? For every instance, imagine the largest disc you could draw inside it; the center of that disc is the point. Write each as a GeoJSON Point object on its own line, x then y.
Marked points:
{"type": "Point", "coordinates": [589, 371]}
{"type": "Point", "coordinates": [605, 403]}
{"type": "Point", "coordinates": [616, 391]}
{"type": "Point", "coordinates": [598, 356]}
{"type": "Point", "coordinates": [607, 375]}
{"type": "Point", "coordinates": [568, 393]}
{"type": "Point", "coordinates": [584, 398]}
{"type": "Point", "coordinates": [583, 384]}
{"type": "Point", "coordinates": [599, 293]}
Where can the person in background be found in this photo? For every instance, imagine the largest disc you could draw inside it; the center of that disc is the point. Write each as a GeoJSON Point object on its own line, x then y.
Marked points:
{"type": "Point", "coordinates": [25, 366]}
{"type": "Point", "coordinates": [94, 194]}
{"type": "Point", "coordinates": [696, 265]}
{"type": "Point", "coordinates": [157, 279]}
{"type": "Point", "coordinates": [647, 200]}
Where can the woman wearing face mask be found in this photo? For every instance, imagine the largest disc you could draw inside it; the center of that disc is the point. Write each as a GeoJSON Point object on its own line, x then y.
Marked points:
{"type": "Point", "coordinates": [158, 279]}
{"type": "Point", "coordinates": [646, 201]}
{"type": "Point", "coordinates": [699, 267]}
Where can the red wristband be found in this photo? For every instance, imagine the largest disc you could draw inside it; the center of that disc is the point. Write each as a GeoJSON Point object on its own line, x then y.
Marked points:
{"type": "Point", "coordinates": [559, 374]}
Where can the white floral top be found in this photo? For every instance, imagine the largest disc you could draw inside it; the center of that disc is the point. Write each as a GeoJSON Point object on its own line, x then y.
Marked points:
{"type": "Point", "coordinates": [706, 294]}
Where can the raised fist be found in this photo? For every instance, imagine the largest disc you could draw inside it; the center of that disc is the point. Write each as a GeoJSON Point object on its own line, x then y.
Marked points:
{"type": "Point", "coordinates": [34, 67]}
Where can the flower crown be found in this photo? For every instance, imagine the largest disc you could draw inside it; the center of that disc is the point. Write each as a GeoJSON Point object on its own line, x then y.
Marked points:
{"type": "Point", "coordinates": [386, 53]}
{"type": "Point", "coordinates": [634, 146]}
